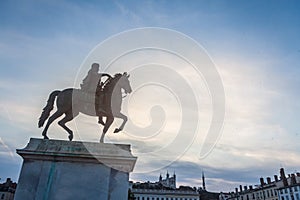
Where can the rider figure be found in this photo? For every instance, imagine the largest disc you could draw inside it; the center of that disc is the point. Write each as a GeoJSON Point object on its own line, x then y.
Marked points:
{"type": "Point", "coordinates": [91, 81]}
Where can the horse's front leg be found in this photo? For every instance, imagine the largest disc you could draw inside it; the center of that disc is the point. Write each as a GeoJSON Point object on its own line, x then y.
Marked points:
{"type": "Point", "coordinates": [109, 121]}
{"type": "Point", "coordinates": [125, 119]}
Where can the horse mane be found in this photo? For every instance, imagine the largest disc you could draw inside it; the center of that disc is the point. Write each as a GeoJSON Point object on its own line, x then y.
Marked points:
{"type": "Point", "coordinates": [112, 81]}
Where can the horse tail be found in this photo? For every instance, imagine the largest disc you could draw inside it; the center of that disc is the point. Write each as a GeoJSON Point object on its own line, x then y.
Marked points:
{"type": "Point", "coordinates": [46, 111]}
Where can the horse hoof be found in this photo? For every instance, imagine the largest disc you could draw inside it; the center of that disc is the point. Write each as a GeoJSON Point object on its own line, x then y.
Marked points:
{"type": "Point", "coordinates": [70, 137]}
{"type": "Point", "coordinates": [117, 130]}
{"type": "Point", "coordinates": [101, 140]}
{"type": "Point", "coordinates": [46, 137]}
{"type": "Point", "coordinates": [101, 122]}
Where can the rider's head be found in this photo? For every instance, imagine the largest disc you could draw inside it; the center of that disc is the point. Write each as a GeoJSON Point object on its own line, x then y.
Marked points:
{"type": "Point", "coordinates": [95, 67]}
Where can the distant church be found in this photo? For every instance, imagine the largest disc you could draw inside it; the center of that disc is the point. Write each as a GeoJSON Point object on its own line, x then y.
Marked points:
{"type": "Point", "coordinates": [163, 189]}
{"type": "Point", "coordinates": [169, 182]}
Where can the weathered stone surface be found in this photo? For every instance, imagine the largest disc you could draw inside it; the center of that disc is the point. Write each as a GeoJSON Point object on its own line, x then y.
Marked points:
{"type": "Point", "coordinates": [55, 169]}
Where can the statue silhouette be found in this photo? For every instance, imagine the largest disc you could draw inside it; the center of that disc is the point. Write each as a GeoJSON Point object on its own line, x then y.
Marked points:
{"type": "Point", "coordinates": [91, 83]}
{"type": "Point", "coordinates": [107, 102]}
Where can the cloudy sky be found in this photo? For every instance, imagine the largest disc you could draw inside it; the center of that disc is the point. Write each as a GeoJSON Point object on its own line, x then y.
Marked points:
{"type": "Point", "coordinates": [255, 47]}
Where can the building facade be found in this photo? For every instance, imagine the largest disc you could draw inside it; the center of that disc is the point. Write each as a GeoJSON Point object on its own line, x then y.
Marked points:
{"type": "Point", "coordinates": [7, 190]}
{"type": "Point", "coordinates": [269, 190]}
{"type": "Point", "coordinates": [164, 194]}
{"type": "Point", "coordinates": [290, 190]}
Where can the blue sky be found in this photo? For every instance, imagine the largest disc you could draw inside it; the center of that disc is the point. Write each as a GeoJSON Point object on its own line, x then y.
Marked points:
{"type": "Point", "coordinates": [254, 44]}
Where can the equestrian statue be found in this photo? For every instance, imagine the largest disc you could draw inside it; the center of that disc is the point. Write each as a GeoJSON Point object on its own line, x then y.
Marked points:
{"type": "Point", "coordinates": [95, 98]}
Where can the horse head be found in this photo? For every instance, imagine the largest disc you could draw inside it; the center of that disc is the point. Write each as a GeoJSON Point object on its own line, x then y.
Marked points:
{"type": "Point", "coordinates": [124, 82]}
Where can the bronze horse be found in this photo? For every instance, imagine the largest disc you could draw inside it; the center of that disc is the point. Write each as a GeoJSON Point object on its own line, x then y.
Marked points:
{"type": "Point", "coordinates": [69, 102]}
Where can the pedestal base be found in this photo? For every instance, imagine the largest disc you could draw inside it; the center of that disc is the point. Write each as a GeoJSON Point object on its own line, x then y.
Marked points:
{"type": "Point", "coordinates": [63, 170]}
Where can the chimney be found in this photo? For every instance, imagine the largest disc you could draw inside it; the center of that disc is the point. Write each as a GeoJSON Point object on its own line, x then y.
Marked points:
{"type": "Point", "coordinates": [298, 174]}
{"type": "Point", "coordinates": [262, 181]}
{"type": "Point", "coordinates": [268, 180]}
{"type": "Point", "coordinates": [236, 190]}
{"type": "Point", "coordinates": [250, 187]}
{"type": "Point", "coordinates": [245, 187]}
{"type": "Point", "coordinates": [276, 178]}
{"type": "Point", "coordinates": [8, 182]}
{"type": "Point", "coordinates": [241, 188]}
{"type": "Point", "coordinates": [283, 178]}
{"type": "Point", "coordinates": [293, 180]}
{"type": "Point", "coordinates": [289, 175]}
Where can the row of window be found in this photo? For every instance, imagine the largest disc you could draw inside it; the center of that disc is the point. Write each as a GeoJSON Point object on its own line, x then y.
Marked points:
{"type": "Point", "coordinates": [271, 193]}
{"type": "Point", "coordinates": [164, 198]}
{"type": "Point", "coordinates": [292, 197]}
{"type": "Point", "coordinates": [296, 189]}
{"type": "Point", "coordinates": [260, 195]}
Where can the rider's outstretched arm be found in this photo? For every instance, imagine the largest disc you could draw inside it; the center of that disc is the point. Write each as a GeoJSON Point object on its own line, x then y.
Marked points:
{"type": "Point", "coordinates": [104, 74]}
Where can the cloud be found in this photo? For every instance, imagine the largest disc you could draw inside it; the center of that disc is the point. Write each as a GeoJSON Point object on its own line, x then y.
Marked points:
{"type": "Point", "coordinates": [134, 18]}
{"type": "Point", "coordinates": [6, 150]}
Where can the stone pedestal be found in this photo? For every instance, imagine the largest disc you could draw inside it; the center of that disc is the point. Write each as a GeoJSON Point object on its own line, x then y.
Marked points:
{"type": "Point", "coordinates": [63, 170]}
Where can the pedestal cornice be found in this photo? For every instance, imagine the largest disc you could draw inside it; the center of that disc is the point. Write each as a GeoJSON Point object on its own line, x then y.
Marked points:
{"type": "Point", "coordinates": [117, 156]}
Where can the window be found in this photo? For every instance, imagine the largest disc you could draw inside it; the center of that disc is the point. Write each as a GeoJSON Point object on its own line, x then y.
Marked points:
{"type": "Point", "coordinates": [2, 196]}
{"type": "Point", "coordinates": [296, 189]}
{"type": "Point", "coordinates": [297, 196]}
{"type": "Point", "coordinates": [271, 192]}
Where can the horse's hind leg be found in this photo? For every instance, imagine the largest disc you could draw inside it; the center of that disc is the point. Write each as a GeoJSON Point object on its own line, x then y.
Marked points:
{"type": "Point", "coordinates": [125, 119]}
{"type": "Point", "coordinates": [69, 116]}
{"type": "Point", "coordinates": [53, 117]}
{"type": "Point", "coordinates": [109, 121]}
